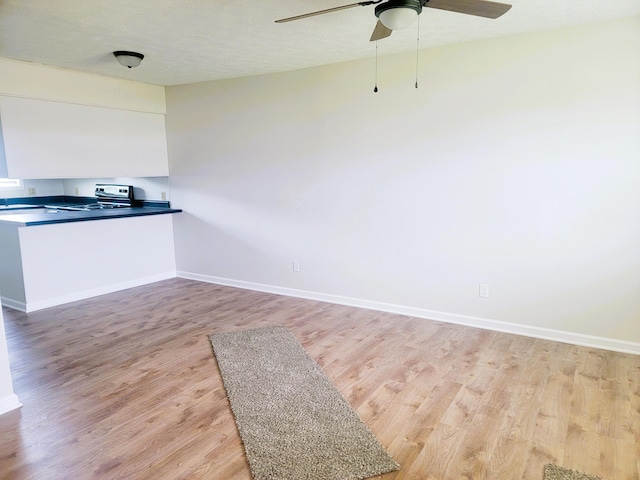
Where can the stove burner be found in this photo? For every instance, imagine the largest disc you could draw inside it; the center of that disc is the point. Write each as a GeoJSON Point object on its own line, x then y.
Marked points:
{"type": "Point", "coordinates": [84, 207]}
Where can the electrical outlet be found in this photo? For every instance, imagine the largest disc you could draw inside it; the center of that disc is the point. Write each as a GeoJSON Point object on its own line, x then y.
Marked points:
{"type": "Point", "coordinates": [31, 191]}
{"type": "Point", "coordinates": [483, 291]}
{"type": "Point", "coordinates": [163, 195]}
{"type": "Point", "coordinates": [296, 266]}
{"type": "Point", "coordinates": [76, 191]}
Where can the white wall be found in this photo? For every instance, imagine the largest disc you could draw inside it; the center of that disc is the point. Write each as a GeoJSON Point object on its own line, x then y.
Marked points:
{"type": "Point", "coordinates": [515, 164]}
{"type": "Point", "coordinates": [42, 187]}
{"type": "Point", "coordinates": [8, 400]}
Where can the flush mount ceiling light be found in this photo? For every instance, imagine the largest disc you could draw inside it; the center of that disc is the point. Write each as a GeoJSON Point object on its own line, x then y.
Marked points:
{"type": "Point", "coordinates": [128, 59]}
{"type": "Point", "coordinates": [398, 14]}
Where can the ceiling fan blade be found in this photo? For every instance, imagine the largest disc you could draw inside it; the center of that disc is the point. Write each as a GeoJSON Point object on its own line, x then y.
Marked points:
{"type": "Point", "coordinates": [380, 32]}
{"type": "Point", "coordinates": [479, 8]}
{"type": "Point", "coordinates": [327, 10]}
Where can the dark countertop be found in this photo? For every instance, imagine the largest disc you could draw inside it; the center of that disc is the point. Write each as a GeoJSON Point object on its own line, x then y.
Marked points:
{"type": "Point", "coordinates": [44, 216]}
{"type": "Point", "coordinates": [17, 206]}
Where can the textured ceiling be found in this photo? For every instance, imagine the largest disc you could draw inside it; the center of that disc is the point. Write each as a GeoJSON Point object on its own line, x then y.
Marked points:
{"type": "Point", "coordinates": [191, 41]}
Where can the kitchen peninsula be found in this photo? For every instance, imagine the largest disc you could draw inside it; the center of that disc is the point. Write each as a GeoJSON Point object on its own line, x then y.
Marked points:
{"type": "Point", "coordinates": [51, 257]}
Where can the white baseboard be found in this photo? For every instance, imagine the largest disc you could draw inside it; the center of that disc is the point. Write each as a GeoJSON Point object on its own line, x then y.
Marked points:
{"type": "Point", "coordinates": [477, 322]}
{"type": "Point", "coordinates": [94, 292]}
{"type": "Point", "coordinates": [9, 403]}
{"type": "Point", "coordinates": [12, 303]}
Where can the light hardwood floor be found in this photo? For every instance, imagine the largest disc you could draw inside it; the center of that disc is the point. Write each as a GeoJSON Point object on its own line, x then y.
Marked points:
{"type": "Point", "coordinates": [126, 386]}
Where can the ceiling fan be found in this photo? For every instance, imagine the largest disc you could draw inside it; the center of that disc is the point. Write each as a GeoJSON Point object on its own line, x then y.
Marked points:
{"type": "Point", "coordinates": [398, 14]}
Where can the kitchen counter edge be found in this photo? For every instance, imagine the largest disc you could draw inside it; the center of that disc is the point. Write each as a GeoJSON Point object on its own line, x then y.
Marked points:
{"type": "Point", "coordinates": [32, 218]}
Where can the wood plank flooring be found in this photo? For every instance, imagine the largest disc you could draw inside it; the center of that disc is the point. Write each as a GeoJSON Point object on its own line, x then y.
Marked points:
{"type": "Point", "coordinates": [126, 386]}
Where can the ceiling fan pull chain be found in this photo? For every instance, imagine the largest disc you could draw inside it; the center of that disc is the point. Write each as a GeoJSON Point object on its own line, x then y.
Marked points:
{"type": "Point", "coordinates": [417, 51]}
{"type": "Point", "coordinates": [375, 89]}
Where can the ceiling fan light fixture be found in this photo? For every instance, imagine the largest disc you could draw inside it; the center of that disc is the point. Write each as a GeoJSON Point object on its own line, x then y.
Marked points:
{"type": "Point", "coordinates": [128, 59]}
{"type": "Point", "coordinates": [398, 14]}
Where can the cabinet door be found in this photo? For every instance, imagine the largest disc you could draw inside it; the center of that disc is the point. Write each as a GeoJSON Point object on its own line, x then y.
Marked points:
{"type": "Point", "coordinates": [45, 139]}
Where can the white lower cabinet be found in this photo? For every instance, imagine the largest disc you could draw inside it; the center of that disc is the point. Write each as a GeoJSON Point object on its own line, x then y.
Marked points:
{"type": "Point", "coordinates": [48, 265]}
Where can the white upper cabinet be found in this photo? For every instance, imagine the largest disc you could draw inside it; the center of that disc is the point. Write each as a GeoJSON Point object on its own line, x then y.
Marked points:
{"type": "Point", "coordinates": [51, 139]}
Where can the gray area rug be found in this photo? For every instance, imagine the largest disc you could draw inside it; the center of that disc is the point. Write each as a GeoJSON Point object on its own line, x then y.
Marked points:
{"type": "Point", "coordinates": [554, 472]}
{"type": "Point", "coordinates": [293, 421]}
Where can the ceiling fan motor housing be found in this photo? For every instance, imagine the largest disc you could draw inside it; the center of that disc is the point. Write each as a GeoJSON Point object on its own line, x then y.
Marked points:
{"type": "Point", "coordinates": [398, 14]}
